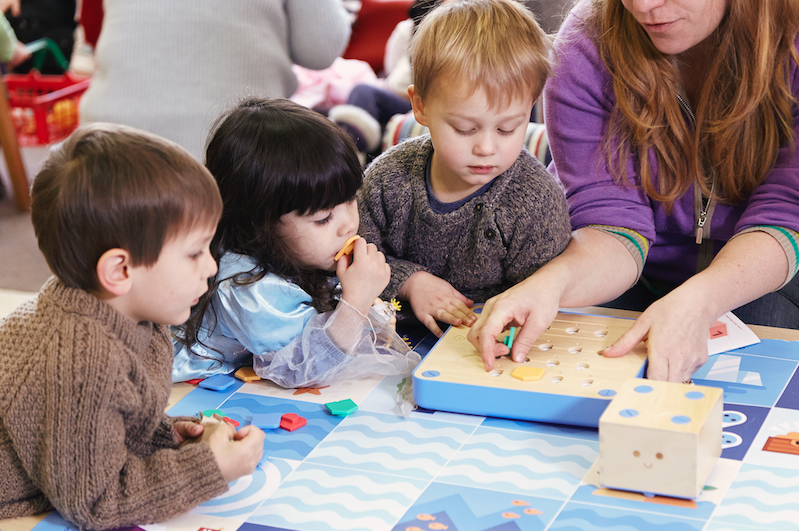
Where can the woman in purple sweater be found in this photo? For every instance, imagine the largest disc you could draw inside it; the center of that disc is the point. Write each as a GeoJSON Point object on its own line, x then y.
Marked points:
{"type": "Point", "coordinates": [672, 127]}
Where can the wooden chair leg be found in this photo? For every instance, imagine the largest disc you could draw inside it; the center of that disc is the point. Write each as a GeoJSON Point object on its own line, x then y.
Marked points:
{"type": "Point", "coordinates": [10, 146]}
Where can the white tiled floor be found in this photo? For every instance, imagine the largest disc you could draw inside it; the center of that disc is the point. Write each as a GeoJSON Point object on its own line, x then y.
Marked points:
{"type": "Point", "coordinates": [10, 299]}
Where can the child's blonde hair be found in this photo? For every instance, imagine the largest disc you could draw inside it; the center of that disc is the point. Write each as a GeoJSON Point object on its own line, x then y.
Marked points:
{"type": "Point", "coordinates": [493, 45]}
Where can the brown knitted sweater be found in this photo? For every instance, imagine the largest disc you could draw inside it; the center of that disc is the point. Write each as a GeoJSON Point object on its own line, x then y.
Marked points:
{"type": "Point", "coordinates": [83, 429]}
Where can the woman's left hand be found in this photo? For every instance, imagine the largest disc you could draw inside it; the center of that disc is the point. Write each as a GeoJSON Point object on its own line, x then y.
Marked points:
{"type": "Point", "coordinates": [676, 335]}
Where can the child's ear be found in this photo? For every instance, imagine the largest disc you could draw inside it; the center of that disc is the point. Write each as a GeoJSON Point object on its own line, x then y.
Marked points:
{"type": "Point", "coordinates": [113, 271]}
{"type": "Point", "coordinates": [418, 106]}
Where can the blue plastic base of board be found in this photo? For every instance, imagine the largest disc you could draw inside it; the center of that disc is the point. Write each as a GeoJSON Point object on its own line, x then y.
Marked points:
{"type": "Point", "coordinates": [509, 403]}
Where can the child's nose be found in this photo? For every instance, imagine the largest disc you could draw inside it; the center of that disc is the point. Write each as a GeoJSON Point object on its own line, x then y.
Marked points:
{"type": "Point", "coordinates": [485, 144]}
{"type": "Point", "coordinates": [351, 221]}
{"type": "Point", "coordinates": [349, 226]}
{"type": "Point", "coordinates": [210, 266]}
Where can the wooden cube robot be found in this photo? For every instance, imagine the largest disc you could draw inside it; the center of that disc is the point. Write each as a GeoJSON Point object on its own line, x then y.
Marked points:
{"type": "Point", "coordinates": [660, 438]}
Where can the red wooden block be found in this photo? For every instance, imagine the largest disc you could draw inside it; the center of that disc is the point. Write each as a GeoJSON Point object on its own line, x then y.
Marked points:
{"type": "Point", "coordinates": [195, 381]}
{"type": "Point", "coordinates": [292, 421]}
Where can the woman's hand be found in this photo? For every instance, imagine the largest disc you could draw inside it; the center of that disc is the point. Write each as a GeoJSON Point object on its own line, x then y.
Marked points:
{"type": "Point", "coordinates": [530, 304]}
{"type": "Point", "coordinates": [594, 267]}
{"type": "Point", "coordinates": [676, 331]}
{"type": "Point", "coordinates": [676, 328]}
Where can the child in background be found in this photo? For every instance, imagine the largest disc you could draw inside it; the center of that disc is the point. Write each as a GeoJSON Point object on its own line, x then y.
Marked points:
{"type": "Point", "coordinates": [464, 212]}
{"type": "Point", "coordinates": [288, 178]}
{"type": "Point", "coordinates": [124, 219]}
{"type": "Point", "coordinates": [370, 106]}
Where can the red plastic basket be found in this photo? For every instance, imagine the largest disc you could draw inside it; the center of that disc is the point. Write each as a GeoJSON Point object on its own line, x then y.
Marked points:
{"type": "Point", "coordinates": [44, 108]}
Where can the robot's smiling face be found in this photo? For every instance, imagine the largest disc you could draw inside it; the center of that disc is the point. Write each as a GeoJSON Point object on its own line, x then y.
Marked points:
{"type": "Point", "coordinates": [648, 463]}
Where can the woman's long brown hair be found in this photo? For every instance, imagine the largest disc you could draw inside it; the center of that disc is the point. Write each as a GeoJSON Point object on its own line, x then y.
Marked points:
{"type": "Point", "coordinates": [743, 110]}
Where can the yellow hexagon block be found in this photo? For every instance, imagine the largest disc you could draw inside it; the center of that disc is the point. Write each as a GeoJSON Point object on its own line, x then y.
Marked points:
{"type": "Point", "coordinates": [528, 374]}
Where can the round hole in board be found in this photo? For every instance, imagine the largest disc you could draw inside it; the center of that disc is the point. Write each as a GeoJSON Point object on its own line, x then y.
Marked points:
{"type": "Point", "coordinates": [556, 379]}
{"type": "Point", "coordinates": [575, 349]}
{"type": "Point", "coordinates": [582, 366]}
{"type": "Point", "coordinates": [545, 346]}
{"type": "Point", "coordinates": [552, 363]}
{"type": "Point", "coordinates": [495, 372]}
{"type": "Point", "coordinates": [586, 383]}
{"type": "Point", "coordinates": [572, 330]}
{"type": "Point", "coordinates": [601, 333]}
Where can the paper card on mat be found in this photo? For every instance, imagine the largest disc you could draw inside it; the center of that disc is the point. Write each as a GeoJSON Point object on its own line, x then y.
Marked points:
{"type": "Point", "coordinates": [729, 333]}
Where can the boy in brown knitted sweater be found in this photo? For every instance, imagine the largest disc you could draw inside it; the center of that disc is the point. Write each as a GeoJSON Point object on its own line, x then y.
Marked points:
{"type": "Point", "coordinates": [124, 219]}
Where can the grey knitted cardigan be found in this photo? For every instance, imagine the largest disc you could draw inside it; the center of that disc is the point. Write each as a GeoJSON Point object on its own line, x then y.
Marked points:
{"type": "Point", "coordinates": [82, 423]}
{"type": "Point", "coordinates": [491, 243]}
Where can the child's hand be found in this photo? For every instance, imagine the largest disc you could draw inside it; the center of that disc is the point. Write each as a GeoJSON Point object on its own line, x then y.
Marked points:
{"type": "Point", "coordinates": [237, 452]}
{"type": "Point", "coordinates": [433, 298]}
{"type": "Point", "coordinates": [363, 275]}
{"type": "Point", "coordinates": [186, 429]}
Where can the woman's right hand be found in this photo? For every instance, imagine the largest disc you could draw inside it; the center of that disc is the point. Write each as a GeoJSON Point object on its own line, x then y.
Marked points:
{"type": "Point", "coordinates": [363, 275]}
{"type": "Point", "coordinates": [530, 304]}
{"type": "Point", "coordinates": [237, 452]}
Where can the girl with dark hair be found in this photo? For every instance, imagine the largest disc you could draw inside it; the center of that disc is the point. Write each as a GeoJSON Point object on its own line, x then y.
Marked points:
{"type": "Point", "coordinates": [288, 177]}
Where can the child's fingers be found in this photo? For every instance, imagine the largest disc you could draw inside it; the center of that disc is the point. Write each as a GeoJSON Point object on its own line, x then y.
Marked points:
{"type": "Point", "coordinates": [342, 264]}
{"type": "Point", "coordinates": [252, 432]}
{"type": "Point", "coordinates": [463, 298]}
{"type": "Point", "coordinates": [462, 310]}
{"type": "Point", "coordinates": [187, 430]}
{"type": "Point", "coordinates": [431, 324]}
{"type": "Point", "coordinates": [447, 317]}
{"type": "Point", "coordinates": [452, 316]}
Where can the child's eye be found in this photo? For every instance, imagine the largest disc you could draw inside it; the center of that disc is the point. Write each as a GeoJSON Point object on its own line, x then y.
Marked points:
{"type": "Point", "coordinates": [506, 133]}
{"type": "Point", "coordinates": [195, 256]}
{"type": "Point", "coordinates": [325, 220]}
{"type": "Point", "coordinates": [462, 132]}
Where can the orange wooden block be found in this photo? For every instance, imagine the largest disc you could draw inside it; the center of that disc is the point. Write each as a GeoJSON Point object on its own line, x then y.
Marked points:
{"type": "Point", "coordinates": [528, 374]}
{"type": "Point", "coordinates": [247, 374]}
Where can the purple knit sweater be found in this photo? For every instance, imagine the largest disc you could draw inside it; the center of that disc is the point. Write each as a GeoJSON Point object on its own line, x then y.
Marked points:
{"type": "Point", "coordinates": [578, 101]}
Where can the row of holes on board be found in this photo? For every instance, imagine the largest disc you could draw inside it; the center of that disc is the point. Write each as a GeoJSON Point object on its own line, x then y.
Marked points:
{"type": "Point", "coordinates": [574, 329]}
{"type": "Point", "coordinates": [553, 379]}
{"type": "Point", "coordinates": [575, 349]}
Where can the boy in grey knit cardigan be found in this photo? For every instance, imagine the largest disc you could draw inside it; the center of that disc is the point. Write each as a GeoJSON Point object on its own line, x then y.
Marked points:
{"type": "Point", "coordinates": [465, 212]}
